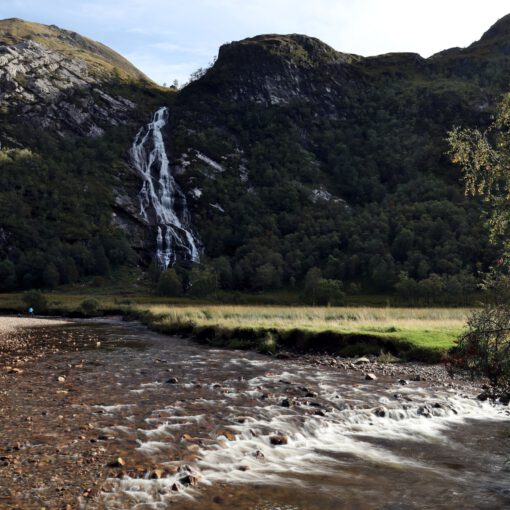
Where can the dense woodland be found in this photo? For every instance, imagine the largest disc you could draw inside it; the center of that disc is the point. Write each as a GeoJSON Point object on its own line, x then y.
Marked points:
{"type": "Point", "coordinates": [343, 185]}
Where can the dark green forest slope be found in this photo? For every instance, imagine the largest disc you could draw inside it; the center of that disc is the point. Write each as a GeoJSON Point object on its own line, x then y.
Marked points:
{"type": "Point", "coordinates": [292, 156]}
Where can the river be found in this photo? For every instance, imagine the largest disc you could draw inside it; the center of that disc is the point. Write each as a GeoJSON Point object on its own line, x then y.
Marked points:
{"type": "Point", "coordinates": [111, 415]}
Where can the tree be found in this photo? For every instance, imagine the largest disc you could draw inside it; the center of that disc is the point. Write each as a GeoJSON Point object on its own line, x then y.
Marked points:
{"type": "Point", "coordinates": [484, 349]}
{"type": "Point", "coordinates": [406, 287]}
{"type": "Point", "coordinates": [223, 269]}
{"type": "Point", "coordinates": [322, 291]}
{"type": "Point", "coordinates": [312, 279]}
{"type": "Point", "coordinates": [266, 277]}
{"type": "Point", "coordinates": [202, 281]}
{"type": "Point", "coordinates": [7, 275]}
{"type": "Point", "coordinates": [169, 284]}
{"type": "Point", "coordinates": [101, 262]}
{"type": "Point", "coordinates": [329, 292]}
{"type": "Point", "coordinates": [51, 276]}
{"type": "Point", "coordinates": [485, 159]}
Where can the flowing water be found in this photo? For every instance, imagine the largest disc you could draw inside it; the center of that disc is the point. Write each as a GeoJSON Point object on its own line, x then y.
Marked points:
{"type": "Point", "coordinates": [162, 202]}
{"type": "Point", "coordinates": [195, 428]}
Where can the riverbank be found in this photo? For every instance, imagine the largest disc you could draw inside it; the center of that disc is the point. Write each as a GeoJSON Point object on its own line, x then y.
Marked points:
{"type": "Point", "coordinates": [15, 335]}
{"type": "Point", "coordinates": [411, 334]}
{"type": "Point", "coordinates": [8, 324]}
{"type": "Point", "coordinates": [408, 334]}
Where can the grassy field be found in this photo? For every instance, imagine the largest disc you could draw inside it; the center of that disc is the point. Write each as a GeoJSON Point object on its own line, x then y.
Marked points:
{"type": "Point", "coordinates": [409, 333]}
{"type": "Point", "coordinates": [412, 333]}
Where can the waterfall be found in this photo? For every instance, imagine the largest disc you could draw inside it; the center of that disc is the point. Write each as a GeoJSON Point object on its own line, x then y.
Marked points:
{"type": "Point", "coordinates": [162, 202]}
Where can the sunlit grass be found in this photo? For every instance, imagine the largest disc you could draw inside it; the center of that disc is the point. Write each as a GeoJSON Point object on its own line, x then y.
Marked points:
{"type": "Point", "coordinates": [424, 327]}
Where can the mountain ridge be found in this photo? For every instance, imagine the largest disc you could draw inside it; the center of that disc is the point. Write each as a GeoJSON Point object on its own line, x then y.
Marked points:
{"type": "Point", "coordinates": [291, 156]}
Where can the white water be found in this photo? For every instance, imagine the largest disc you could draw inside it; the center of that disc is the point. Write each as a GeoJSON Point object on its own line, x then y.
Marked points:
{"type": "Point", "coordinates": [162, 202]}
{"type": "Point", "coordinates": [356, 417]}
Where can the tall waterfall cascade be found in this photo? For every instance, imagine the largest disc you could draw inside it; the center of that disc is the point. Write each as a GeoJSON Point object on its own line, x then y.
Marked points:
{"type": "Point", "coordinates": [162, 202]}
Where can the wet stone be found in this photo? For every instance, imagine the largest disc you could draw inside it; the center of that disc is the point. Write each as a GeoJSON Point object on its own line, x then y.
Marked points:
{"type": "Point", "coordinates": [279, 439]}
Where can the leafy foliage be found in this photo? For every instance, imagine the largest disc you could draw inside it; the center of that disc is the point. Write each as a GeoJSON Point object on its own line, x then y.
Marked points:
{"type": "Point", "coordinates": [89, 306]}
{"type": "Point", "coordinates": [55, 209]}
{"type": "Point", "coordinates": [169, 283]}
{"type": "Point", "coordinates": [484, 349]}
{"type": "Point", "coordinates": [36, 300]}
{"type": "Point", "coordinates": [394, 202]}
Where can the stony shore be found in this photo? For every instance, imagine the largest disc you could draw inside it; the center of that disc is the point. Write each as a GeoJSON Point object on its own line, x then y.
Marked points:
{"type": "Point", "coordinates": [10, 324]}
{"type": "Point", "coordinates": [13, 334]}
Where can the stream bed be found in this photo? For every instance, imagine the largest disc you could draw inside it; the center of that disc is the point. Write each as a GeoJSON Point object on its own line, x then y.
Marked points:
{"type": "Point", "coordinates": [111, 415]}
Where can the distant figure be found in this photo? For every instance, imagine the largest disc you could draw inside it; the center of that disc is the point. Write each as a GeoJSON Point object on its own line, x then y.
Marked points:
{"type": "Point", "coordinates": [31, 311]}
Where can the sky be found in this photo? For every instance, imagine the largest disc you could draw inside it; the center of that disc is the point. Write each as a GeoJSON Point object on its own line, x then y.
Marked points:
{"type": "Point", "coordinates": [169, 39]}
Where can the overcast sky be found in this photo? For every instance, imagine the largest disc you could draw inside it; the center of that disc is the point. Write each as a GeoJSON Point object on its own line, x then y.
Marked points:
{"type": "Point", "coordinates": [169, 39]}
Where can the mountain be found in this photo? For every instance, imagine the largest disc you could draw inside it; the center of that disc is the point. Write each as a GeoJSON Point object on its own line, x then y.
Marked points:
{"type": "Point", "coordinates": [283, 156]}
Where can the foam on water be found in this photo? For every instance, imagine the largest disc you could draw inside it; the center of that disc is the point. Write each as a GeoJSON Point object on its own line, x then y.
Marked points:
{"type": "Point", "coordinates": [351, 417]}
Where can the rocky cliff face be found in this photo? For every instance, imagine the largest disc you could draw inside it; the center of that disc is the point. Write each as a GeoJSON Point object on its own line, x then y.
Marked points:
{"type": "Point", "coordinates": [54, 91]}
{"type": "Point", "coordinates": [58, 89]}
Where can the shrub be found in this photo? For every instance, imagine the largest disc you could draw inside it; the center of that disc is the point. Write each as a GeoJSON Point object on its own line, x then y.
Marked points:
{"type": "Point", "coordinates": [484, 350]}
{"type": "Point", "coordinates": [322, 291]}
{"type": "Point", "coordinates": [35, 299]}
{"type": "Point", "coordinates": [89, 306]}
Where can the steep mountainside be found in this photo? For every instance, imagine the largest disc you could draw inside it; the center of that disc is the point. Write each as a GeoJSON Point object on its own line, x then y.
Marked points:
{"type": "Point", "coordinates": [337, 161]}
{"type": "Point", "coordinates": [284, 156]}
{"type": "Point", "coordinates": [70, 109]}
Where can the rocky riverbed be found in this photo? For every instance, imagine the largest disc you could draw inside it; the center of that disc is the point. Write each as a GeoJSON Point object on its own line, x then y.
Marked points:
{"type": "Point", "coordinates": [110, 415]}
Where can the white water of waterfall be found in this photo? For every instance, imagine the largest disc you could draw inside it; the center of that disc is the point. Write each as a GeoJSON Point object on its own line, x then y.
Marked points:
{"type": "Point", "coordinates": [162, 202]}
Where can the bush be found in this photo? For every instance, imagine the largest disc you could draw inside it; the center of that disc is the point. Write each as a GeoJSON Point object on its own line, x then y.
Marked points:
{"type": "Point", "coordinates": [35, 299]}
{"type": "Point", "coordinates": [329, 293]}
{"type": "Point", "coordinates": [89, 307]}
{"type": "Point", "coordinates": [484, 350]}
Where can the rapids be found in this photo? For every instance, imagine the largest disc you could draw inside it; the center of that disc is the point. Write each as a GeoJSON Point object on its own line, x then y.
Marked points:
{"type": "Point", "coordinates": [195, 427]}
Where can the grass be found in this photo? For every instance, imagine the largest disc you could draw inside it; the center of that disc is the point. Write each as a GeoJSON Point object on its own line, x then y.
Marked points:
{"type": "Point", "coordinates": [412, 333]}
{"type": "Point", "coordinates": [409, 333]}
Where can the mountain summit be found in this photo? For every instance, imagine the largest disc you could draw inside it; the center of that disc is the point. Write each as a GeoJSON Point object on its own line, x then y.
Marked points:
{"type": "Point", "coordinates": [101, 61]}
